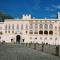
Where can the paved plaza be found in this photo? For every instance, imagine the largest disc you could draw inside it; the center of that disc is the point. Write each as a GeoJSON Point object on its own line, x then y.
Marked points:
{"type": "Point", "coordinates": [18, 52]}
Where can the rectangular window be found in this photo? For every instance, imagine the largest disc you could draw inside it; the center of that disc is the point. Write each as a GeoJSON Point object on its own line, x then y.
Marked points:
{"type": "Point", "coordinates": [18, 26]}
{"type": "Point", "coordinates": [35, 25]}
{"type": "Point", "coordinates": [21, 26]}
{"type": "Point", "coordinates": [13, 31]}
{"type": "Point", "coordinates": [55, 28]}
{"type": "Point", "coordinates": [30, 32]}
{"type": "Point", "coordinates": [59, 30]}
{"type": "Point", "coordinates": [9, 26]}
{"type": "Point", "coordinates": [26, 26]}
{"type": "Point", "coordinates": [31, 26]}
{"type": "Point", "coordinates": [8, 31]}
{"type": "Point", "coordinates": [6, 27]}
{"type": "Point", "coordinates": [13, 26]}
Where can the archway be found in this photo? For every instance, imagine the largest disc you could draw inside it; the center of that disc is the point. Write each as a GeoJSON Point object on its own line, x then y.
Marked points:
{"type": "Point", "coordinates": [46, 32]}
{"type": "Point", "coordinates": [51, 32]}
{"type": "Point", "coordinates": [18, 39]}
{"type": "Point", "coordinates": [40, 32]}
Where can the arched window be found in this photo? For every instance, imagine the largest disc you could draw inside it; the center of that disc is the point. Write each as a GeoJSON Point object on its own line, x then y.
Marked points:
{"type": "Point", "coordinates": [41, 26]}
{"type": "Point", "coordinates": [50, 26]}
{"type": "Point", "coordinates": [1, 33]}
{"type": "Point", "coordinates": [40, 32]}
{"type": "Point", "coordinates": [46, 26]}
{"type": "Point", "coordinates": [35, 32]}
{"type": "Point", "coordinates": [30, 32]}
{"type": "Point", "coordinates": [51, 32]}
{"type": "Point", "coordinates": [45, 32]}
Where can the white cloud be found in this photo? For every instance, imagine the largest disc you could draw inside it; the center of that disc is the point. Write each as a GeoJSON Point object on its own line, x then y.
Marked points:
{"type": "Point", "coordinates": [52, 15]}
{"type": "Point", "coordinates": [56, 6]}
{"type": "Point", "coordinates": [49, 9]}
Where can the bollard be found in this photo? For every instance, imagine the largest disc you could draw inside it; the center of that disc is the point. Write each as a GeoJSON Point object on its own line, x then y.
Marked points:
{"type": "Point", "coordinates": [57, 50]}
{"type": "Point", "coordinates": [42, 47]}
{"type": "Point", "coordinates": [29, 45]}
{"type": "Point", "coordinates": [34, 45]}
{"type": "Point", "coordinates": [26, 44]}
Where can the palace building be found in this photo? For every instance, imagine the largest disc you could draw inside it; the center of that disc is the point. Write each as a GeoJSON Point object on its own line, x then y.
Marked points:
{"type": "Point", "coordinates": [31, 30]}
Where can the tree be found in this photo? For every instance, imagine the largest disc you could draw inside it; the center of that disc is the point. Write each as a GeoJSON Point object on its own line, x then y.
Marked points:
{"type": "Point", "coordinates": [4, 16]}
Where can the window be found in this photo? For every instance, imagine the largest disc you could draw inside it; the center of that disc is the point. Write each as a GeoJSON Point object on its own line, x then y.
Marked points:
{"type": "Point", "coordinates": [8, 31]}
{"type": "Point", "coordinates": [55, 27]}
{"type": "Point", "coordinates": [23, 40]}
{"type": "Point", "coordinates": [13, 26]}
{"type": "Point", "coordinates": [26, 26]}
{"type": "Point", "coordinates": [36, 32]}
{"type": "Point", "coordinates": [0, 37]}
{"type": "Point", "coordinates": [6, 27]}
{"type": "Point", "coordinates": [11, 40]}
{"type": "Point", "coordinates": [46, 32]}
{"type": "Point", "coordinates": [26, 32]}
{"type": "Point", "coordinates": [1, 33]}
{"type": "Point", "coordinates": [31, 32]}
{"type": "Point", "coordinates": [40, 26]}
{"type": "Point", "coordinates": [21, 26]}
{"type": "Point", "coordinates": [50, 26]}
{"type": "Point", "coordinates": [31, 26]}
{"type": "Point", "coordinates": [50, 38]}
{"type": "Point", "coordinates": [12, 31]}
{"type": "Point", "coordinates": [56, 38]}
{"type": "Point", "coordinates": [9, 26]}
{"type": "Point", "coordinates": [59, 27]}
{"type": "Point", "coordinates": [30, 37]}
{"type": "Point", "coordinates": [36, 26]}
{"type": "Point", "coordinates": [5, 31]}
{"type": "Point", "coordinates": [55, 33]}
{"type": "Point", "coordinates": [59, 30]}
{"type": "Point", "coordinates": [45, 26]}
{"type": "Point", "coordinates": [51, 32]}
{"type": "Point", "coordinates": [40, 32]}
{"type": "Point", "coordinates": [45, 38]}
{"type": "Point", "coordinates": [17, 26]}
{"type": "Point", "coordinates": [35, 38]}
{"type": "Point", "coordinates": [40, 38]}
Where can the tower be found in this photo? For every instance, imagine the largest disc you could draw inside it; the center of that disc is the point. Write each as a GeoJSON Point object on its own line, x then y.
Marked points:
{"type": "Point", "coordinates": [58, 15]}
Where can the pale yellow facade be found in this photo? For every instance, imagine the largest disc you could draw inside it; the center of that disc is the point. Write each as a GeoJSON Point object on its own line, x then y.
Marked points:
{"type": "Point", "coordinates": [30, 30]}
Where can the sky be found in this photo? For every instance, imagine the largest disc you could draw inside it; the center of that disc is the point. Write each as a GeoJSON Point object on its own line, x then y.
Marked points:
{"type": "Point", "coordinates": [37, 8]}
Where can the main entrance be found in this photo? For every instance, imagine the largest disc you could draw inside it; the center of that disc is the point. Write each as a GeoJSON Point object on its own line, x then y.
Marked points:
{"type": "Point", "coordinates": [18, 39]}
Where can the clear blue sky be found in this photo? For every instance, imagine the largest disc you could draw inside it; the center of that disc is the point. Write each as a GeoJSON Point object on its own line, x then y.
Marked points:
{"type": "Point", "coordinates": [37, 8]}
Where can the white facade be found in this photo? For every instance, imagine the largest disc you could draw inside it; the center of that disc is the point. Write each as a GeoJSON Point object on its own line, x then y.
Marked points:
{"type": "Point", "coordinates": [27, 30]}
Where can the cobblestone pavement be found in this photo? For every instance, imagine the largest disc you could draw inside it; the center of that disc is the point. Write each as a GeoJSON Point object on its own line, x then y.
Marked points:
{"type": "Point", "coordinates": [18, 52]}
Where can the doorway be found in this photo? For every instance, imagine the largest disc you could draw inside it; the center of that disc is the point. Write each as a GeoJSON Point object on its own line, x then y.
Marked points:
{"type": "Point", "coordinates": [18, 39]}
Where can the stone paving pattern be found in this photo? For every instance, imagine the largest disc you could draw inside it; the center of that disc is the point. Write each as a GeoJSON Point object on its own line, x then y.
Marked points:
{"type": "Point", "coordinates": [18, 52]}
